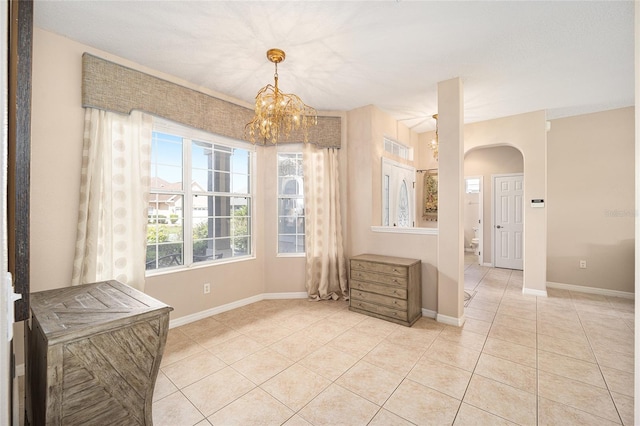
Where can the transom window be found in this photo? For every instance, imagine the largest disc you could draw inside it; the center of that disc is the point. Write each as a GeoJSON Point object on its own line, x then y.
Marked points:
{"type": "Point", "coordinates": [200, 198]}
{"type": "Point", "coordinates": [398, 149]}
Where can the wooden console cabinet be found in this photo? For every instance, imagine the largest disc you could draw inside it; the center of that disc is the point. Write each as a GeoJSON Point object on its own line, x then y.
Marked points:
{"type": "Point", "coordinates": [386, 287]}
{"type": "Point", "coordinates": [93, 354]}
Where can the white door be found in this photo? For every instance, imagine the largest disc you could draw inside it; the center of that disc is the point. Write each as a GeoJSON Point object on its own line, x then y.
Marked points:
{"type": "Point", "coordinates": [398, 194]}
{"type": "Point", "coordinates": [508, 213]}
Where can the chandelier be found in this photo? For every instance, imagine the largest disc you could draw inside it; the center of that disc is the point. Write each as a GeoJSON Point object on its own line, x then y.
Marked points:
{"type": "Point", "coordinates": [278, 113]}
{"type": "Point", "coordinates": [434, 142]}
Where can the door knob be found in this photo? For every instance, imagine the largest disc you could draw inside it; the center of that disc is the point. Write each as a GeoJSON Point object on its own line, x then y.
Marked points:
{"type": "Point", "coordinates": [498, 226]}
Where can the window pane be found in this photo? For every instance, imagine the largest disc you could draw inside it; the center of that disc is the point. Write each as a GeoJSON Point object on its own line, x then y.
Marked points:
{"type": "Point", "coordinates": [203, 250]}
{"type": "Point", "coordinates": [223, 226]}
{"type": "Point", "coordinates": [167, 178]}
{"type": "Point", "coordinates": [164, 256]}
{"type": "Point", "coordinates": [202, 180]}
{"type": "Point", "coordinates": [241, 246]}
{"type": "Point", "coordinates": [223, 247]}
{"type": "Point", "coordinates": [287, 244]}
{"type": "Point", "coordinates": [166, 149]}
{"type": "Point", "coordinates": [222, 182]}
{"type": "Point", "coordinates": [240, 162]}
{"type": "Point", "coordinates": [240, 183]}
{"type": "Point", "coordinates": [201, 155]}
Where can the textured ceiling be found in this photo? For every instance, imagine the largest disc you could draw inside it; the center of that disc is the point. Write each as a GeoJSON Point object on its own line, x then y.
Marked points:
{"type": "Point", "coordinates": [513, 56]}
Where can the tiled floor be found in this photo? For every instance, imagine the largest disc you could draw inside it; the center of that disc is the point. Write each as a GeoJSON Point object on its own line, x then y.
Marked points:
{"type": "Point", "coordinates": [562, 360]}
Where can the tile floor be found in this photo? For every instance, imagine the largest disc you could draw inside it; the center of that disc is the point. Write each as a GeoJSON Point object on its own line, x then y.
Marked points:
{"type": "Point", "coordinates": [562, 360]}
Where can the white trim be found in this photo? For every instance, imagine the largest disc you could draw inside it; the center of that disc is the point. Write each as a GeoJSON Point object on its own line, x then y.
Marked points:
{"type": "Point", "coordinates": [592, 290]}
{"type": "Point", "coordinates": [457, 322]}
{"type": "Point", "coordinates": [429, 313]}
{"type": "Point", "coordinates": [233, 305]}
{"type": "Point", "coordinates": [489, 264]}
{"type": "Point", "coordinates": [532, 292]}
{"type": "Point", "coordinates": [213, 311]}
{"type": "Point", "coordinates": [19, 370]}
{"type": "Point", "coordinates": [401, 230]}
{"type": "Point", "coordinates": [290, 295]}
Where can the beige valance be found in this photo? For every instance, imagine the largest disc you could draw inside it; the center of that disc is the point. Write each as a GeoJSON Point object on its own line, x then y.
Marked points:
{"type": "Point", "coordinates": [113, 87]}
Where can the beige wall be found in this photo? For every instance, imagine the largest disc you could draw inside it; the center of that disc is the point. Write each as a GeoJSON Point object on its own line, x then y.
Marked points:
{"type": "Point", "coordinates": [366, 128]}
{"type": "Point", "coordinates": [591, 200]}
{"type": "Point", "coordinates": [485, 162]}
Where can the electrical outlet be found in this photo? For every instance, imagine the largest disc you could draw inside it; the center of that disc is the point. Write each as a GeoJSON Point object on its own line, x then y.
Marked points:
{"type": "Point", "coordinates": [207, 288]}
{"type": "Point", "coordinates": [583, 264]}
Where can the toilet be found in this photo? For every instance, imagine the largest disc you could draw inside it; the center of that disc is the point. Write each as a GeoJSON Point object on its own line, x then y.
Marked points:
{"type": "Point", "coordinates": [475, 241]}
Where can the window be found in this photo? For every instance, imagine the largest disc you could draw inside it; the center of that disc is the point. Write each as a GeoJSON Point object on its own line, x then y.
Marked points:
{"type": "Point", "coordinates": [290, 203]}
{"type": "Point", "coordinates": [472, 185]}
{"type": "Point", "coordinates": [398, 149]}
{"type": "Point", "coordinates": [200, 198]}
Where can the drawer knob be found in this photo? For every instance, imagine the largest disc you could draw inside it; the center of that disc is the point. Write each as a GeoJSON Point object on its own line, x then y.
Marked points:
{"type": "Point", "coordinates": [395, 281]}
{"type": "Point", "coordinates": [395, 302]}
{"type": "Point", "coordinates": [395, 270]}
{"type": "Point", "coordinates": [395, 291]}
{"type": "Point", "coordinates": [395, 313]}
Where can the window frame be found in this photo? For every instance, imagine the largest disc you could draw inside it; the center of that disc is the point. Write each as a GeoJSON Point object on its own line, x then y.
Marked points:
{"type": "Point", "coordinates": [288, 150]}
{"type": "Point", "coordinates": [189, 135]}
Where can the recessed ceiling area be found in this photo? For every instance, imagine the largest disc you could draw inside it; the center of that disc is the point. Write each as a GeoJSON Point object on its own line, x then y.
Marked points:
{"type": "Point", "coordinates": [513, 57]}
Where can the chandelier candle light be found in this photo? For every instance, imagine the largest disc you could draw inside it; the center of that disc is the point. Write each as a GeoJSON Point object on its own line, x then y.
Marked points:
{"type": "Point", "coordinates": [434, 142]}
{"type": "Point", "coordinates": [278, 113]}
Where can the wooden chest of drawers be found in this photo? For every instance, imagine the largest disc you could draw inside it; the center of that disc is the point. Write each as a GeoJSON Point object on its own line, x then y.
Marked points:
{"type": "Point", "coordinates": [93, 354]}
{"type": "Point", "coordinates": [386, 287]}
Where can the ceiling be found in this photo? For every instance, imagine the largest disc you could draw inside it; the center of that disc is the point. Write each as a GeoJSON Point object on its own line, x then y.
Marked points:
{"type": "Point", "coordinates": [513, 57]}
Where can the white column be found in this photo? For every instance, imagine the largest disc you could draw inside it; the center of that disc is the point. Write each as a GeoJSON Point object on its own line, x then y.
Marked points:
{"type": "Point", "coordinates": [450, 203]}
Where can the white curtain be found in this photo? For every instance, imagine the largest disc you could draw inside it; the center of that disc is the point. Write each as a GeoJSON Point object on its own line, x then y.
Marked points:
{"type": "Point", "coordinates": [114, 192]}
{"type": "Point", "coordinates": [326, 272]}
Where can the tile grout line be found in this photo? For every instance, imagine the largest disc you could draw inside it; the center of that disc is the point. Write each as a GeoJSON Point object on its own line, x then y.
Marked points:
{"type": "Point", "coordinates": [597, 360]}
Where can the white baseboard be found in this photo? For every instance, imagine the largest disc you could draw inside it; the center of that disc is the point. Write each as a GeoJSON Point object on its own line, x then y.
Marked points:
{"type": "Point", "coordinates": [592, 290]}
{"type": "Point", "coordinates": [233, 305]}
{"type": "Point", "coordinates": [457, 322]}
{"type": "Point", "coordinates": [532, 292]}
{"type": "Point", "coordinates": [291, 295]}
{"type": "Point", "coordinates": [489, 264]}
{"type": "Point", "coordinates": [429, 313]}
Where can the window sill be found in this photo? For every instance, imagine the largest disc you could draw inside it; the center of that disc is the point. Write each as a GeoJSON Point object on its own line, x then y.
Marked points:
{"type": "Point", "coordinates": [199, 265]}
{"type": "Point", "coordinates": [291, 255]}
{"type": "Point", "coordinates": [400, 230]}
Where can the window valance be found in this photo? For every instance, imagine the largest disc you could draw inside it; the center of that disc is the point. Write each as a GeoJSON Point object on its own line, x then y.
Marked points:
{"type": "Point", "coordinates": [113, 87]}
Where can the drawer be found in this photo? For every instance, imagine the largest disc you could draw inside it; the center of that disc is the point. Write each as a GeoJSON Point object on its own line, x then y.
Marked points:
{"type": "Point", "coordinates": [400, 293]}
{"type": "Point", "coordinates": [396, 270]}
{"type": "Point", "coordinates": [394, 280]}
{"type": "Point", "coordinates": [379, 309]}
{"type": "Point", "coordinates": [376, 298]}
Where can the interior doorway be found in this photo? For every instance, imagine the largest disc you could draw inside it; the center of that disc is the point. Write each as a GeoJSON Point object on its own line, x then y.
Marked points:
{"type": "Point", "coordinates": [473, 219]}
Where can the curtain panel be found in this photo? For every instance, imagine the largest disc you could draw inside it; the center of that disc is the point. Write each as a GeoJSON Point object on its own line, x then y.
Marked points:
{"type": "Point", "coordinates": [114, 192]}
{"type": "Point", "coordinates": [326, 272]}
